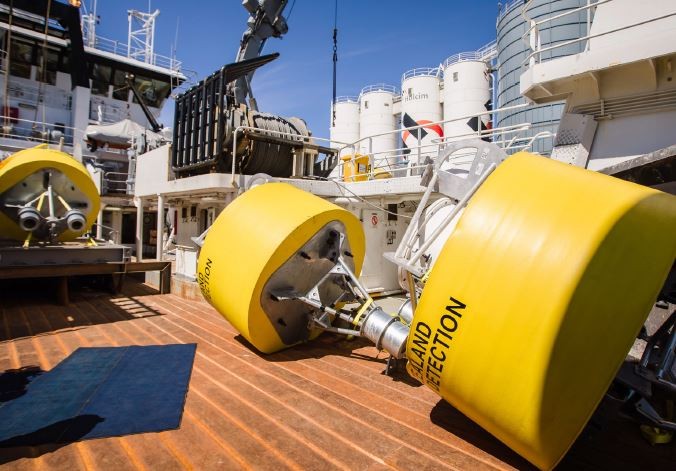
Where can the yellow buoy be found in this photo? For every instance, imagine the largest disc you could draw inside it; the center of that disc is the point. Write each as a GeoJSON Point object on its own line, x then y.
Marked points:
{"type": "Point", "coordinates": [261, 244]}
{"type": "Point", "coordinates": [537, 297]}
{"type": "Point", "coordinates": [26, 176]}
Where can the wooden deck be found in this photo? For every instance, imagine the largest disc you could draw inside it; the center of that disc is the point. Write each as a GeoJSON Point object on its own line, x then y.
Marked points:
{"type": "Point", "coordinates": [324, 405]}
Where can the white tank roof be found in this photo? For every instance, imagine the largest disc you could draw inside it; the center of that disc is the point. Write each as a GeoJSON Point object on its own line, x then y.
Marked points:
{"type": "Point", "coordinates": [484, 54]}
{"type": "Point", "coordinates": [379, 87]}
{"type": "Point", "coordinates": [422, 72]}
{"type": "Point", "coordinates": [347, 99]}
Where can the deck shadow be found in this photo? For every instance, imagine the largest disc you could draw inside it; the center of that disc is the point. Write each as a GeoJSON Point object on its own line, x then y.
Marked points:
{"type": "Point", "coordinates": [28, 308]}
{"type": "Point", "coordinates": [455, 422]}
{"type": "Point", "coordinates": [47, 439]}
{"type": "Point", "coordinates": [330, 345]}
{"type": "Point", "coordinates": [13, 382]}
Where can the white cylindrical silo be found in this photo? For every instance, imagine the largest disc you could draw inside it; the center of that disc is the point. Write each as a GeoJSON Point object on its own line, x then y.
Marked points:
{"type": "Point", "coordinates": [376, 117]}
{"type": "Point", "coordinates": [467, 91]}
{"type": "Point", "coordinates": [421, 105]}
{"type": "Point", "coordinates": [345, 125]}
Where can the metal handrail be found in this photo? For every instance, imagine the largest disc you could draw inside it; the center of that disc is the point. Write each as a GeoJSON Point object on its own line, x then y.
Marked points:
{"type": "Point", "coordinates": [379, 87]}
{"type": "Point", "coordinates": [515, 143]}
{"type": "Point", "coordinates": [37, 131]}
{"type": "Point", "coordinates": [507, 7]}
{"type": "Point", "coordinates": [591, 36]}
{"type": "Point", "coordinates": [532, 35]}
{"type": "Point", "coordinates": [422, 72]}
{"type": "Point", "coordinates": [124, 50]}
{"type": "Point", "coordinates": [347, 99]}
{"type": "Point", "coordinates": [483, 54]}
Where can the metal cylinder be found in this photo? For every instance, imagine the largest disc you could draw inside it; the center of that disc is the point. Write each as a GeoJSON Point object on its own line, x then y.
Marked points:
{"type": "Point", "coordinates": [386, 332]}
{"type": "Point", "coordinates": [405, 311]}
{"type": "Point", "coordinates": [345, 128]}
{"type": "Point", "coordinates": [75, 220]}
{"type": "Point", "coordinates": [513, 52]}
{"type": "Point", "coordinates": [375, 117]}
{"type": "Point", "coordinates": [421, 106]}
{"type": "Point", "coordinates": [466, 92]}
{"type": "Point", "coordinates": [29, 219]}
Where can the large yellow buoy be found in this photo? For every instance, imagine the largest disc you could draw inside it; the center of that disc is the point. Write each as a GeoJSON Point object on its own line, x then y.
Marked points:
{"type": "Point", "coordinates": [537, 297]}
{"type": "Point", "coordinates": [34, 182]}
{"type": "Point", "coordinates": [268, 240]}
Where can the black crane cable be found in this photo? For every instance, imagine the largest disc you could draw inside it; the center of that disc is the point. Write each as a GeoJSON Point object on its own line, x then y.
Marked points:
{"type": "Point", "coordinates": [335, 61]}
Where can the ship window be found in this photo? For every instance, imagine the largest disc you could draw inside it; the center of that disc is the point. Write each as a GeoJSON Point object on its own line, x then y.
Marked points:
{"type": "Point", "coordinates": [52, 65]}
{"type": "Point", "coordinates": [120, 88]}
{"type": "Point", "coordinates": [455, 76]}
{"type": "Point", "coordinates": [366, 105]}
{"type": "Point", "coordinates": [100, 79]}
{"type": "Point", "coordinates": [152, 91]}
{"type": "Point", "coordinates": [21, 58]}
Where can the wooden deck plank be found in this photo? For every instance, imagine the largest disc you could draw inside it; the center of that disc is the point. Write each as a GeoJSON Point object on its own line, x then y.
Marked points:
{"type": "Point", "coordinates": [323, 405]}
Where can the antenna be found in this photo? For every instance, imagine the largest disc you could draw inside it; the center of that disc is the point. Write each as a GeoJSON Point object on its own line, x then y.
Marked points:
{"type": "Point", "coordinates": [141, 37]}
{"type": "Point", "coordinates": [89, 22]}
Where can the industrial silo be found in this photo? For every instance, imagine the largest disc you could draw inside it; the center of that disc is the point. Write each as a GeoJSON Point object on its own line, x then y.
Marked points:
{"type": "Point", "coordinates": [421, 105]}
{"type": "Point", "coordinates": [513, 52]}
{"type": "Point", "coordinates": [345, 123]}
{"type": "Point", "coordinates": [376, 117]}
{"type": "Point", "coordinates": [467, 92]}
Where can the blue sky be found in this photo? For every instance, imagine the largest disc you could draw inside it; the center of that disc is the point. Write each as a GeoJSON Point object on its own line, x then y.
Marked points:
{"type": "Point", "coordinates": [378, 41]}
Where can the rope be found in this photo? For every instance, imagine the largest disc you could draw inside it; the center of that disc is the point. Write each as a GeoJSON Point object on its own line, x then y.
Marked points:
{"type": "Point", "coordinates": [43, 68]}
{"type": "Point", "coordinates": [335, 60]}
{"type": "Point", "coordinates": [288, 17]}
{"type": "Point", "coordinates": [7, 61]}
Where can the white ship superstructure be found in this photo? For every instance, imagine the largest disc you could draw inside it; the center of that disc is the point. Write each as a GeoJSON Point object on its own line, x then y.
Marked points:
{"type": "Point", "coordinates": [59, 77]}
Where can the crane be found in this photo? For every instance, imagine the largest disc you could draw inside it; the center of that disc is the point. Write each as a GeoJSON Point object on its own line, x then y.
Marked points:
{"type": "Point", "coordinates": [217, 124]}
{"type": "Point", "coordinates": [265, 21]}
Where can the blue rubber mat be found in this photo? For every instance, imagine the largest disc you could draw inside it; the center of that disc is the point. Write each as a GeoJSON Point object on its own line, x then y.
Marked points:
{"type": "Point", "coordinates": [101, 392]}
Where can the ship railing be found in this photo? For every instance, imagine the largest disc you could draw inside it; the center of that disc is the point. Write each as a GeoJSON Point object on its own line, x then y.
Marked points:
{"type": "Point", "coordinates": [459, 160]}
{"type": "Point", "coordinates": [365, 144]}
{"type": "Point", "coordinates": [116, 182]}
{"type": "Point", "coordinates": [512, 138]}
{"type": "Point", "coordinates": [506, 7]}
{"type": "Point", "coordinates": [532, 36]}
{"type": "Point", "coordinates": [422, 72]}
{"type": "Point", "coordinates": [37, 131]}
{"type": "Point", "coordinates": [379, 87]}
{"type": "Point", "coordinates": [125, 50]}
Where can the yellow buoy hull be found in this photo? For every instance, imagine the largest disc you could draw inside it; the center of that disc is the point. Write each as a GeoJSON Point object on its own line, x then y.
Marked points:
{"type": "Point", "coordinates": [537, 297]}
{"type": "Point", "coordinates": [26, 164]}
{"type": "Point", "coordinates": [250, 240]}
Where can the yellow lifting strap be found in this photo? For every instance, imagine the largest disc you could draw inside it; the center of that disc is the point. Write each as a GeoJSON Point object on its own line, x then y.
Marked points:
{"type": "Point", "coordinates": [362, 310]}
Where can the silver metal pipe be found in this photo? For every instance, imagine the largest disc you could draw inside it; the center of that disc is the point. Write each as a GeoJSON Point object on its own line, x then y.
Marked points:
{"type": "Point", "coordinates": [50, 200]}
{"type": "Point", "coordinates": [340, 330]}
{"type": "Point", "coordinates": [386, 332]}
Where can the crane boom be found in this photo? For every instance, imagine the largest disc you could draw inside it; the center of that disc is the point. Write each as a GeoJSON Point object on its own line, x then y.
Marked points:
{"type": "Point", "coordinates": [265, 21]}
